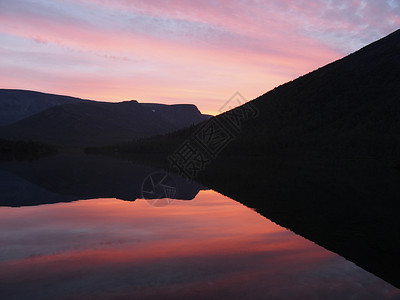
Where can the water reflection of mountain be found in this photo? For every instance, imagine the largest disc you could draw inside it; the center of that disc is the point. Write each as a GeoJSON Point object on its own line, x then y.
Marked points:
{"type": "Point", "coordinates": [66, 178]}
{"type": "Point", "coordinates": [347, 206]}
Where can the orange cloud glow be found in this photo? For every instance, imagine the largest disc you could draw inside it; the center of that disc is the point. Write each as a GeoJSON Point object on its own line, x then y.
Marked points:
{"type": "Point", "coordinates": [178, 51]}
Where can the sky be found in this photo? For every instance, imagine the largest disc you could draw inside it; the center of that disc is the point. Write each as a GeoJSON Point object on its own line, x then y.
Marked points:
{"type": "Point", "coordinates": [176, 51]}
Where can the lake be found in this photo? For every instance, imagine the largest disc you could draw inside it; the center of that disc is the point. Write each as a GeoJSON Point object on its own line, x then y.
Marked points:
{"type": "Point", "coordinates": [81, 230]}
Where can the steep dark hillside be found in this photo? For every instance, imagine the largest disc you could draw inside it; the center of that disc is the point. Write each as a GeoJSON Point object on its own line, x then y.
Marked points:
{"type": "Point", "coordinates": [99, 123]}
{"type": "Point", "coordinates": [348, 108]}
{"type": "Point", "coordinates": [16, 105]}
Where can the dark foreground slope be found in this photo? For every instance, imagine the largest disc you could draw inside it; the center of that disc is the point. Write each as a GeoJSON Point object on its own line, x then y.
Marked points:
{"type": "Point", "coordinates": [350, 108]}
{"type": "Point", "coordinates": [319, 158]}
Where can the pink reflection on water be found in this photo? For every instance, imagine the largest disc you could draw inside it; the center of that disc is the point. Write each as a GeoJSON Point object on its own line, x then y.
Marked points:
{"type": "Point", "coordinates": [210, 247]}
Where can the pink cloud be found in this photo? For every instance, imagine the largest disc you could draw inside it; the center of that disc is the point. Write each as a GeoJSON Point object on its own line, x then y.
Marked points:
{"type": "Point", "coordinates": [179, 51]}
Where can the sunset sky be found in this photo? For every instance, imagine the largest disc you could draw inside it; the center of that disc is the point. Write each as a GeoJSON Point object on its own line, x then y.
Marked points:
{"type": "Point", "coordinates": [198, 52]}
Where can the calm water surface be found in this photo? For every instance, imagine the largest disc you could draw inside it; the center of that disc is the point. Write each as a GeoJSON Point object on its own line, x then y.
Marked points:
{"type": "Point", "coordinates": [211, 247]}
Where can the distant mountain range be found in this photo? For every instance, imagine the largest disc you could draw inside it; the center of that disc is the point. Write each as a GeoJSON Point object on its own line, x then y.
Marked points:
{"type": "Point", "coordinates": [16, 105]}
{"type": "Point", "coordinates": [67, 121]}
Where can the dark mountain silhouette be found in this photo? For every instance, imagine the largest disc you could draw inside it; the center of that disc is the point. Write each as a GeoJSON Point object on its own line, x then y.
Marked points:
{"type": "Point", "coordinates": [16, 105]}
{"type": "Point", "coordinates": [98, 123]}
{"type": "Point", "coordinates": [349, 108]}
{"type": "Point", "coordinates": [319, 158]}
{"type": "Point", "coordinates": [71, 177]}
